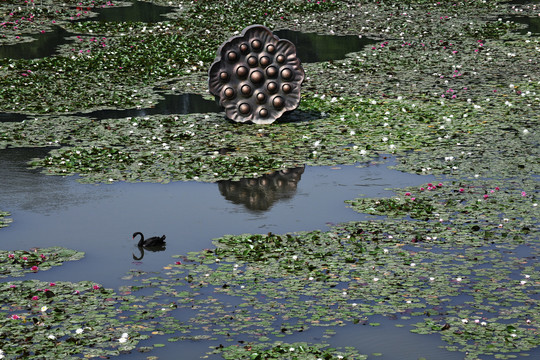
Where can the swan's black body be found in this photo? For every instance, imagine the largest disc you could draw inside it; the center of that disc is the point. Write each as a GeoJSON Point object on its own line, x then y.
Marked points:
{"type": "Point", "coordinates": [153, 241]}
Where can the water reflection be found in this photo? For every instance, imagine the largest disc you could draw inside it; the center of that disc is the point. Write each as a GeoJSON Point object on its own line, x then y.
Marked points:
{"type": "Point", "coordinates": [312, 47]}
{"type": "Point", "coordinates": [27, 189]}
{"type": "Point", "coordinates": [261, 193]}
{"type": "Point", "coordinates": [147, 248]}
{"type": "Point", "coordinates": [44, 45]}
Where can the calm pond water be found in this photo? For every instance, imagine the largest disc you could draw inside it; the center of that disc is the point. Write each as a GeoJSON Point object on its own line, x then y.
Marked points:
{"type": "Point", "coordinates": [47, 43]}
{"type": "Point", "coordinates": [99, 220]}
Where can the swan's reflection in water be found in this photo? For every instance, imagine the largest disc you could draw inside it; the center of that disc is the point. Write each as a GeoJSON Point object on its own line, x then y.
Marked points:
{"type": "Point", "coordinates": [261, 193]}
{"type": "Point", "coordinates": [147, 248]}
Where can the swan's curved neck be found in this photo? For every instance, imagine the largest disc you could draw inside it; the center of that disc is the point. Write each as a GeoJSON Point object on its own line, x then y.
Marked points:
{"type": "Point", "coordinates": [142, 238]}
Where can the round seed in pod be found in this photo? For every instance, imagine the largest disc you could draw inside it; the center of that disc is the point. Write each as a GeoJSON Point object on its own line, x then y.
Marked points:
{"type": "Point", "coordinates": [271, 71]}
{"type": "Point", "coordinates": [252, 61]}
{"type": "Point", "coordinates": [232, 56]}
{"type": "Point", "coordinates": [265, 61]}
{"type": "Point", "coordinates": [270, 48]}
{"type": "Point", "coordinates": [272, 87]}
{"type": "Point", "coordinates": [242, 72]}
{"type": "Point", "coordinates": [244, 48]}
{"type": "Point", "coordinates": [256, 77]}
{"type": "Point", "coordinates": [246, 90]}
{"type": "Point", "coordinates": [261, 98]}
{"type": "Point", "coordinates": [229, 93]}
{"type": "Point", "coordinates": [286, 74]}
{"type": "Point", "coordinates": [244, 108]}
{"type": "Point", "coordinates": [286, 88]}
{"type": "Point", "coordinates": [278, 102]}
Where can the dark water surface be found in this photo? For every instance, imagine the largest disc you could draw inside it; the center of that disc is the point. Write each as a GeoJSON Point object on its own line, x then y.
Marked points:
{"type": "Point", "coordinates": [44, 45]}
{"type": "Point", "coordinates": [532, 23]}
{"type": "Point", "coordinates": [312, 47]}
{"type": "Point", "coordinates": [100, 219]}
{"type": "Point", "coordinates": [139, 11]}
{"type": "Point", "coordinates": [47, 43]}
{"type": "Point", "coordinates": [170, 104]}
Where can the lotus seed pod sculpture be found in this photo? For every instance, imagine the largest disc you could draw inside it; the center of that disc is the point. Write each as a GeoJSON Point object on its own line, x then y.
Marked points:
{"type": "Point", "coordinates": [256, 76]}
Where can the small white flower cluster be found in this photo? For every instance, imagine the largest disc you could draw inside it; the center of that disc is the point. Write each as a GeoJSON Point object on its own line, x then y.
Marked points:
{"type": "Point", "coordinates": [124, 338]}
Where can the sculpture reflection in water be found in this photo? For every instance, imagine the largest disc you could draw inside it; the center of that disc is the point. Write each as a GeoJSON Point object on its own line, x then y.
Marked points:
{"type": "Point", "coordinates": [261, 193]}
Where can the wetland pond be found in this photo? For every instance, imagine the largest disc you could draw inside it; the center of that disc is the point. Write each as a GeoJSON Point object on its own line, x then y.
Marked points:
{"type": "Point", "coordinates": [99, 220]}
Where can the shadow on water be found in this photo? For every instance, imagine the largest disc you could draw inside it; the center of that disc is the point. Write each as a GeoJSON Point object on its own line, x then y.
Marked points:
{"type": "Point", "coordinates": [312, 47]}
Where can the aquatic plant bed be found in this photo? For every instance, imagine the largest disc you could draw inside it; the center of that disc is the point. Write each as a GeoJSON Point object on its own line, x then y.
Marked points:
{"type": "Point", "coordinates": [449, 88]}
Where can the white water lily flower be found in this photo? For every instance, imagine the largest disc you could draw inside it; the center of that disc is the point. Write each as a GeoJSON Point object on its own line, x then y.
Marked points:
{"type": "Point", "coordinates": [52, 337]}
{"type": "Point", "coordinates": [79, 331]}
{"type": "Point", "coordinates": [44, 308]}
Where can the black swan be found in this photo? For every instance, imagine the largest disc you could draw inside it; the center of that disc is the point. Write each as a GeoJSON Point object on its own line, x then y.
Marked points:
{"type": "Point", "coordinates": [153, 241]}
